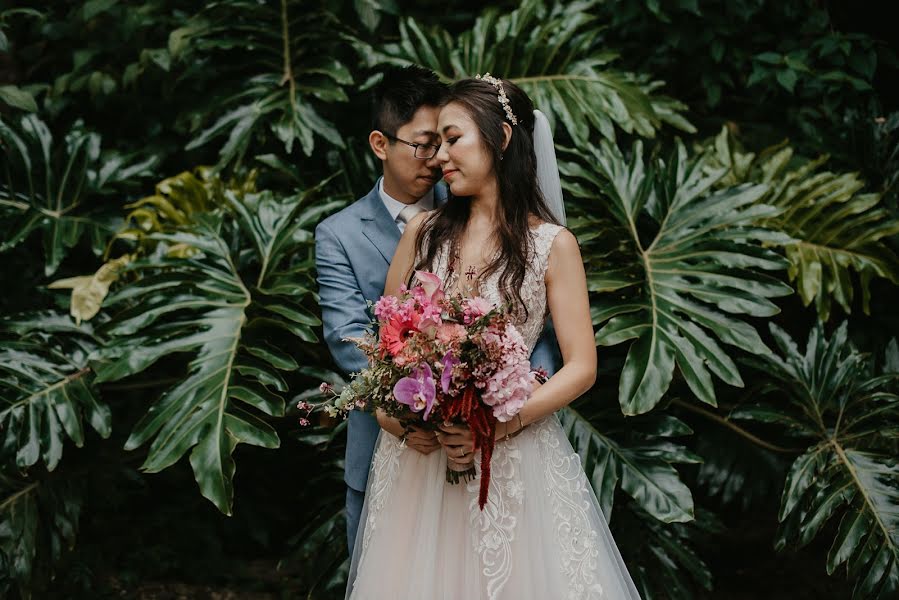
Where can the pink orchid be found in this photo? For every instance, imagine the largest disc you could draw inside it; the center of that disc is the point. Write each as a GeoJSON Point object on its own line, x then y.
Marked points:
{"type": "Point", "coordinates": [432, 285]}
{"type": "Point", "coordinates": [418, 390]}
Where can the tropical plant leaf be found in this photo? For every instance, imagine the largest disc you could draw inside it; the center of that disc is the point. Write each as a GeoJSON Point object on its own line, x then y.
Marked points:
{"type": "Point", "coordinates": [88, 291]}
{"type": "Point", "coordinates": [277, 68]}
{"type": "Point", "coordinates": [849, 471]}
{"type": "Point", "coordinates": [38, 519]}
{"type": "Point", "coordinates": [59, 189]}
{"type": "Point", "coordinates": [237, 310]}
{"type": "Point", "coordinates": [16, 97]}
{"type": "Point", "coordinates": [836, 229]}
{"type": "Point", "coordinates": [47, 390]}
{"type": "Point", "coordinates": [643, 470]}
{"type": "Point", "coordinates": [686, 261]}
{"type": "Point", "coordinates": [554, 54]}
{"type": "Point", "coordinates": [662, 557]}
{"type": "Point", "coordinates": [317, 554]}
{"type": "Point", "coordinates": [737, 471]}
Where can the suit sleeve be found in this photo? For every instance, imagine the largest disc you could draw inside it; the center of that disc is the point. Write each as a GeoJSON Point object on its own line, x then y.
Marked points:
{"type": "Point", "coordinates": [546, 353]}
{"type": "Point", "coordinates": [344, 308]}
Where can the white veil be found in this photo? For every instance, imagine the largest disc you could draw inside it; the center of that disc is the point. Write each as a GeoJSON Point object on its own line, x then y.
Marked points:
{"type": "Point", "coordinates": [547, 168]}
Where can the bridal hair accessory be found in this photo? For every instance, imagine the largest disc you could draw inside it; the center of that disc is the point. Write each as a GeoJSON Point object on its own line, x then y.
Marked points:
{"type": "Point", "coordinates": [503, 99]}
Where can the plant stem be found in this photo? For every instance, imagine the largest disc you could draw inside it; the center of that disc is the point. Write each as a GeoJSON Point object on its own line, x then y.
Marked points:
{"type": "Point", "coordinates": [10, 500]}
{"type": "Point", "coordinates": [288, 68]}
{"type": "Point", "coordinates": [737, 429]}
{"type": "Point", "coordinates": [118, 387]}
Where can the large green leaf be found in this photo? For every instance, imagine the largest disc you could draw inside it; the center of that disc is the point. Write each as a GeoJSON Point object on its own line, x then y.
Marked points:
{"type": "Point", "coordinates": [836, 229]}
{"type": "Point", "coordinates": [317, 554]}
{"type": "Point", "coordinates": [679, 263]}
{"type": "Point", "coordinates": [60, 189]}
{"type": "Point", "coordinates": [276, 68]}
{"type": "Point", "coordinates": [662, 557]}
{"type": "Point", "coordinates": [642, 470]}
{"type": "Point", "coordinates": [46, 390]}
{"type": "Point", "coordinates": [850, 418]}
{"type": "Point", "coordinates": [238, 310]}
{"type": "Point", "coordinates": [631, 464]}
{"type": "Point", "coordinates": [38, 520]}
{"type": "Point", "coordinates": [555, 54]}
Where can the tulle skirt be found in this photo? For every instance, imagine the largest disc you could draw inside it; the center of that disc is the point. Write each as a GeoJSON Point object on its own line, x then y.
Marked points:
{"type": "Point", "coordinates": [540, 536]}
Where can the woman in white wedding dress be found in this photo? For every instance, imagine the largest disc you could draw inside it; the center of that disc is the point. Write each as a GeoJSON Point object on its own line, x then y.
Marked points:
{"type": "Point", "coordinates": [541, 535]}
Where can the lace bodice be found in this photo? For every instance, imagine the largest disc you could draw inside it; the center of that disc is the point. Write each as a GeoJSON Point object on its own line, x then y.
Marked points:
{"type": "Point", "coordinates": [533, 288]}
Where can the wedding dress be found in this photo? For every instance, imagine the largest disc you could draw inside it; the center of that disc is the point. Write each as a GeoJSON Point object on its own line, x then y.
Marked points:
{"type": "Point", "coordinates": [541, 535]}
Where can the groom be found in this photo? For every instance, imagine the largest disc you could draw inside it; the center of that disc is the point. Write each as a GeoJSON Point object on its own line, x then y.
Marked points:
{"type": "Point", "coordinates": [353, 248]}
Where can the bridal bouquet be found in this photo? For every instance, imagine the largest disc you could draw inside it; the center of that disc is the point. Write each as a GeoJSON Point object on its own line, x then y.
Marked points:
{"type": "Point", "coordinates": [436, 359]}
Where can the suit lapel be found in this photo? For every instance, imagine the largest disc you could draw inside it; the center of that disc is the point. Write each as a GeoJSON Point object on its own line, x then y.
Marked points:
{"type": "Point", "coordinates": [378, 227]}
{"type": "Point", "coordinates": [440, 194]}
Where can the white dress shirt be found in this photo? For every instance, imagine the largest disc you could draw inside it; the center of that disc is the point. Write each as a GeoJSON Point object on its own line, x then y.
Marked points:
{"type": "Point", "coordinates": [394, 206]}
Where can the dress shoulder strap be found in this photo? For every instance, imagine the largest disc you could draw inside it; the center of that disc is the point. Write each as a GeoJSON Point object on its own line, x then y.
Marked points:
{"type": "Point", "coordinates": [544, 235]}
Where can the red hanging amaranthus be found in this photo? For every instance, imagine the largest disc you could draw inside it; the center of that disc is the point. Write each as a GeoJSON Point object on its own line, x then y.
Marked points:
{"type": "Point", "coordinates": [467, 408]}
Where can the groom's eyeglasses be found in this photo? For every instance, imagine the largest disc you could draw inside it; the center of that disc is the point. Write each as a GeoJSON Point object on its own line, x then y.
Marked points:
{"type": "Point", "coordinates": [422, 151]}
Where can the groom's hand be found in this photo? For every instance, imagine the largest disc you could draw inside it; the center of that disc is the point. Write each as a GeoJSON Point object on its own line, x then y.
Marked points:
{"type": "Point", "coordinates": [421, 441]}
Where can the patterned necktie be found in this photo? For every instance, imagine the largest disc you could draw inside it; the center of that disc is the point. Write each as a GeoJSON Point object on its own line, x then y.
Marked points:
{"type": "Point", "coordinates": [406, 215]}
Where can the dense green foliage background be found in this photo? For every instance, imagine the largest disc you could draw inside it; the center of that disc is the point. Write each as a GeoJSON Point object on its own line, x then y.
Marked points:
{"type": "Point", "coordinates": [730, 171]}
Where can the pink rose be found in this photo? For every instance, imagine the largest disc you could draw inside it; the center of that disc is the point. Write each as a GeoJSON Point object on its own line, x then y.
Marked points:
{"type": "Point", "coordinates": [475, 308]}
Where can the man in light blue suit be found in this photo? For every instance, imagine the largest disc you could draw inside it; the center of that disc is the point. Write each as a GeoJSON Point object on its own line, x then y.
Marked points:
{"type": "Point", "coordinates": [354, 247]}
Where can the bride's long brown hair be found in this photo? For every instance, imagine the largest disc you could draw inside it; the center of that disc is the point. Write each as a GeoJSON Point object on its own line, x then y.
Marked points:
{"type": "Point", "coordinates": [516, 175]}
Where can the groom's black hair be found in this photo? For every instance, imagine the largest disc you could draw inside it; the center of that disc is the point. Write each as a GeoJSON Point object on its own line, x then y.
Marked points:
{"type": "Point", "coordinates": [400, 93]}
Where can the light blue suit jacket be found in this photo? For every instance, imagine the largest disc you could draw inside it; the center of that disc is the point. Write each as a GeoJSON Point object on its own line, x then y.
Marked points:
{"type": "Point", "coordinates": [353, 250]}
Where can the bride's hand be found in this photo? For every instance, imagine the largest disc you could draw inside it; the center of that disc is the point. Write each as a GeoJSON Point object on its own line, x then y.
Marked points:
{"type": "Point", "coordinates": [458, 443]}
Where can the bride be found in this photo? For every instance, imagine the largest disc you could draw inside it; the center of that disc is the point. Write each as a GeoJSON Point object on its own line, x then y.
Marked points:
{"type": "Point", "coordinates": [541, 534]}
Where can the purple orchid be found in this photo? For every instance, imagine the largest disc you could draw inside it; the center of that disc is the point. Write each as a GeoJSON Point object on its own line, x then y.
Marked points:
{"type": "Point", "coordinates": [418, 390]}
{"type": "Point", "coordinates": [449, 361]}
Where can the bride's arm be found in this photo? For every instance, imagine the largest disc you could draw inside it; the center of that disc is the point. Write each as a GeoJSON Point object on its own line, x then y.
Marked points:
{"type": "Point", "coordinates": [400, 268]}
{"type": "Point", "coordinates": [566, 296]}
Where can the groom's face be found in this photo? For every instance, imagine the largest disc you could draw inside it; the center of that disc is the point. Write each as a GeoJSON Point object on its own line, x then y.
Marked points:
{"type": "Point", "coordinates": [406, 177]}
